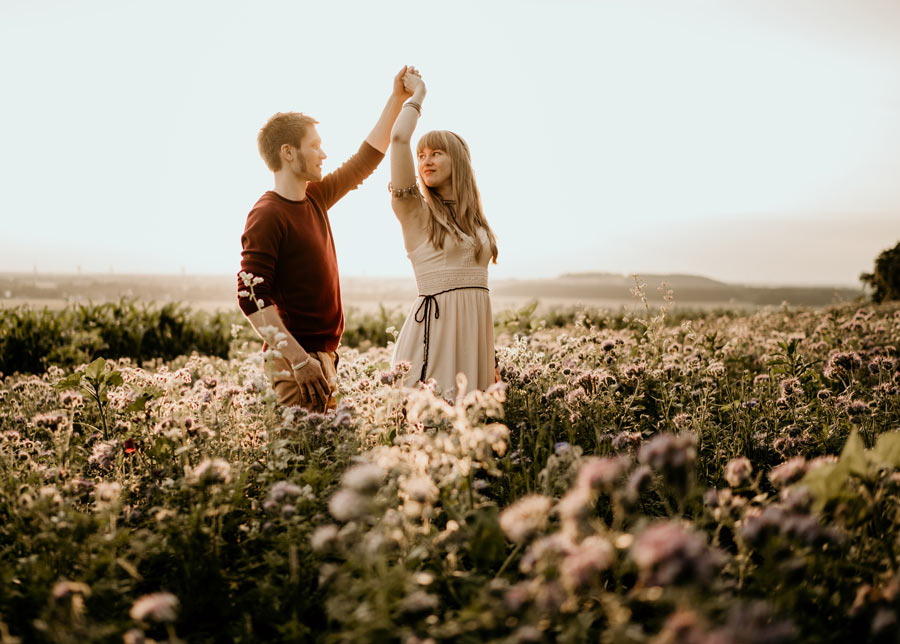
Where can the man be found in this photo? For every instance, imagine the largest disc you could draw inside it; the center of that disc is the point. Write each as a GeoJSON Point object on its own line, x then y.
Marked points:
{"type": "Point", "coordinates": [287, 242]}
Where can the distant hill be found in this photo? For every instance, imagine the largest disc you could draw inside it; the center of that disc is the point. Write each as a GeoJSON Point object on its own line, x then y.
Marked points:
{"type": "Point", "coordinates": [691, 290]}
{"type": "Point", "coordinates": [600, 289]}
{"type": "Point", "coordinates": [673, 280]}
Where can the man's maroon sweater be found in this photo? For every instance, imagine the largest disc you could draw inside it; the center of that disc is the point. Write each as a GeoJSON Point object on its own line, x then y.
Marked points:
{"type": "Point", "coordinates": [289, 244]}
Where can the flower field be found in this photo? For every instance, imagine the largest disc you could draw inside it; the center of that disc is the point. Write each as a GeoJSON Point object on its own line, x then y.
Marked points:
{"type": "Point", "coordinates": [727, 478]}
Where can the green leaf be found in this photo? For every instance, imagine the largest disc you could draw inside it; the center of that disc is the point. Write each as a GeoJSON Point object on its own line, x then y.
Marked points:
{"type": "Point", "coordinates": [825, 483]}
{"type": "Point", "coordinates": [114, 379]}
{"type": "Point", "coordinates": [887, 450]}
{"type": "Point", "coordinates": [140, 402]}
{"type": "Point", "coordinates": [69, 382]}
{"type": "Point", "coordinates": [854, 456]}
{"type": "Point", "coordinates": [94, 369]}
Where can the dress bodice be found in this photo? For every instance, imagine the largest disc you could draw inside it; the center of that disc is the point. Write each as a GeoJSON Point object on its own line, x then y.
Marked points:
{"type": "Point", "coordinates": [453, 266]}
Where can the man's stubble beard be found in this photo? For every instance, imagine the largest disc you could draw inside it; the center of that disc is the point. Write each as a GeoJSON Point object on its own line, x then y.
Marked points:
{"type": "Point", "coordinates": [305, 174]}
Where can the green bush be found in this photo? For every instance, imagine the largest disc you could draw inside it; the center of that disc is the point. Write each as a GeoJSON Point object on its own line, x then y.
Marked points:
{"type": "Point", "coordinates": [33, 339]}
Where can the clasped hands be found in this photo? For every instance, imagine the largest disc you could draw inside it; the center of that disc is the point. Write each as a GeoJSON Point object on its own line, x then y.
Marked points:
{"type": "Point", "coordinates": [406, 81]}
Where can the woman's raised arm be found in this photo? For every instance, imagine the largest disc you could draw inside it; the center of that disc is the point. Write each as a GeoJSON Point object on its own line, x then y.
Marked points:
{"type": "Point", "coordinates": [404, 196]}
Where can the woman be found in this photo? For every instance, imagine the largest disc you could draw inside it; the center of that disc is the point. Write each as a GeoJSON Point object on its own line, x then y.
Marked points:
{"type": "Point", "coordinates": [450, 328]}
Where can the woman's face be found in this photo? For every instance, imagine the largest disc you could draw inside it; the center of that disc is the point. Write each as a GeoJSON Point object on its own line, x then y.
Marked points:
{"type": "Point", "coordinates": [434, 167]}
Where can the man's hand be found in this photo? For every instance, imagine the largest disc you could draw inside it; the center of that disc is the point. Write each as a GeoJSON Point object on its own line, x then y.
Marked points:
{"type": "Point", "coordinates": [401, 89]}
{"type": "Point", "coordinates": [311, 379]}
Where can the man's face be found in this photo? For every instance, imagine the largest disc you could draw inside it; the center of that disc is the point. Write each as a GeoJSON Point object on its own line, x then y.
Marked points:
{"type": "Point", "coordinates": [307, 159]}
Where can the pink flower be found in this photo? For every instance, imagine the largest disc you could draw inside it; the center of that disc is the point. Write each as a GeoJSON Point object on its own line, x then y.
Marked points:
{"type": "Point", "coordinates": [583, 567]}
{"type": "Point", "coordinates": [601, 473]}
{"type": "Point", "coordinates": [738, 471]}
{"type": "Point", "coordinates": [155, 607]}
{"type": "Point", "coordinates": [788, 472]}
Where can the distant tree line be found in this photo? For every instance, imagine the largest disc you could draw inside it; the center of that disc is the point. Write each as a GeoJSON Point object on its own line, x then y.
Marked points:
{"type": "Point", "coordinates": [885, 279]}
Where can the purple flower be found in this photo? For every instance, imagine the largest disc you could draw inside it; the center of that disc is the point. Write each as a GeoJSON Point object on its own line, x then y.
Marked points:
{"type": "Point", "coordinates": [776, 521]}
{"type": "Point", "coordinates": [669, 553]}
{"type": "Point", "coordinates": [841, 364]}
{"type": "Point", "coordinates": [556, 391]}
{"type": "Point", "coordinates": [672, 456]}
{"type": "Point", "coordinates": [753, 622]}
{"type": "Point", "coordinates": [638, 482]}
{"type": "Point", "coordinates": [791, 392]}
{"type": "Point", "coordinates": [685, 627]}
{"type": "Point", "coordinates": [626, 440]}
{"type": "Point", "coordinates": [581, 568]}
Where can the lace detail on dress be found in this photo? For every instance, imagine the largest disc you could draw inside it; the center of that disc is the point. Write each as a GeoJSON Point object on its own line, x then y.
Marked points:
{"type": "Point", "coordinates": [447, 278]}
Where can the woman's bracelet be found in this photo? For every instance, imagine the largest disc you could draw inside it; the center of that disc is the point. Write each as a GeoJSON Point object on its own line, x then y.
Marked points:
{"type": "Point", "coordinates": [399, 193]}
{"type": "Point", "coordinates": [414, 105]}
{"type": "Point", "coordinates": [300, 365]}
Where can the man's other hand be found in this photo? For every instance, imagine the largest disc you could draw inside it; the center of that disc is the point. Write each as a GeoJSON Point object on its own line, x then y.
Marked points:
{"type": "Point", "coordinates": [311, 379]}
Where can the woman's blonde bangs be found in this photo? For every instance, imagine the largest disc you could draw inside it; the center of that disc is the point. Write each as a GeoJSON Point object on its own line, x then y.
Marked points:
{"type": "Point", "coordinates": [434, 140]}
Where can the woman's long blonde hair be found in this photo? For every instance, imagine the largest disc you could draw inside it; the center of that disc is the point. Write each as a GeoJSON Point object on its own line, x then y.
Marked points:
{"type": "Point", "coordinates": [462, 214]}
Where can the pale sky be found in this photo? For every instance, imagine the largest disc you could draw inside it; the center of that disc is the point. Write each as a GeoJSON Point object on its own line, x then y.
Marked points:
{"type": "Point", "coordinates": [753, 141]}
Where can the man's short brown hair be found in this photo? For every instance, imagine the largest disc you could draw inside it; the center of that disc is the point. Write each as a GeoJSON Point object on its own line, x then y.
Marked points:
{"type": "Point", "coordinates": [283, 127]}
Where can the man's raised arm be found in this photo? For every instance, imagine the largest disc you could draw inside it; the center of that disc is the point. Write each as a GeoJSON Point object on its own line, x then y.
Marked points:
{"type": "Point", "coordinates": [380, 136]}
{"type": "Point", "coordinates": [362, 164]}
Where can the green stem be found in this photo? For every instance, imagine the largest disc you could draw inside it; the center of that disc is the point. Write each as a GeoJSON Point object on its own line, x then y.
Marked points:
{"type": "Point", "coordinates": [508, 560]}
{"type": "Point", "coordinates": [95, 394]}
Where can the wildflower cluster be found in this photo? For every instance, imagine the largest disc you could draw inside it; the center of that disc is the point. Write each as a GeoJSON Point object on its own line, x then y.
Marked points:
{"type": "Point", "coordinates": [630, 479]}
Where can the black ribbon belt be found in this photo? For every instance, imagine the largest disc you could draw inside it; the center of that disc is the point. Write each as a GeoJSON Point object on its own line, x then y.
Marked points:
{"type": "Point", "coordinates": [423, 314]}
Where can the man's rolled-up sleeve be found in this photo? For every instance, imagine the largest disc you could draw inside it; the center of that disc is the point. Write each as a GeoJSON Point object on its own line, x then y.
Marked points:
{"type": "Point", "coordinates": [350, 175]}
{"type": "Point", "coordinates": [260, 242]}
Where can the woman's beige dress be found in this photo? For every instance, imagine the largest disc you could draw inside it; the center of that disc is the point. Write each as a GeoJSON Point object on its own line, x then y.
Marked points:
{"type": "Point", "coordinates": [454, 310]}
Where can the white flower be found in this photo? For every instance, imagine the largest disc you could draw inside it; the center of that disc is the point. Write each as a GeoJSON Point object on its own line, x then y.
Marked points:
{"type": "Point", "coordinates": [346, 505]}
{"type": "Point", "coordinates": [209, 471]}
{"type": "Point", "coordinates": [268, 331]}
{"type": "Point", "coordinates": [134, 636]}
{"type": "Point", "coordinates": [64, 588]}
{"type": "Point", "coordinates": [323, 537]}
{"type": "Point", "coordinates": [365, 478]}
{"type": "Point", "coordinates": [420, 489]}
{"type": "Point", "coordinates": [107, 492]}
{"type": "Point", "coordinates": [525, 517]}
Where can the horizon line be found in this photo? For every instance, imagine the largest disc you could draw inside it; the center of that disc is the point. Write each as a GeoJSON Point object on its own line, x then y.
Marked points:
{"type": "Point", "coordinates": [559, 276]}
